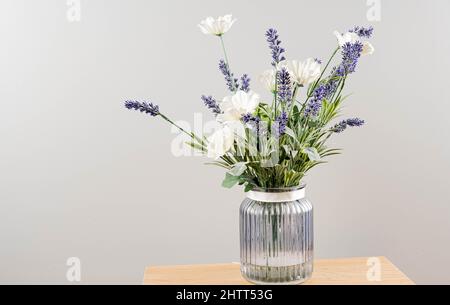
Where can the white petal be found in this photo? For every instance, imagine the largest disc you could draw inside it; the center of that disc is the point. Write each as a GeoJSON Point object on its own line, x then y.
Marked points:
{"type": "Point", "coordinates": [305, 72]}
{"type": "Point", "coordinates": [368, 48]}
{"type": "Point", "coordinates": [339, 37]}
{"type": "Point", "coordinates": [220, 142]}
{"type": "Point", "coordinates": [267, 78]}
{"type": "Point", "coordinates": [203, 29]}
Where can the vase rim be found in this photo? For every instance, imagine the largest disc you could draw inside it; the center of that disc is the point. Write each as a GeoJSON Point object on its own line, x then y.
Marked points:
{"type": "Point", "coordinates": [278, 189]}
{"type": "Point", "coordinates": [274, 195]}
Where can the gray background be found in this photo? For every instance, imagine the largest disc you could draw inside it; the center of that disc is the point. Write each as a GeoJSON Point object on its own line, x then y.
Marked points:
{"type": "Point", "coordinates": [81, 176]}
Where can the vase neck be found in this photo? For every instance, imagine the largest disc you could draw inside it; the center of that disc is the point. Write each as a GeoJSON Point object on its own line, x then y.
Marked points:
{"type": "Point", "coordinates": [276, 195]}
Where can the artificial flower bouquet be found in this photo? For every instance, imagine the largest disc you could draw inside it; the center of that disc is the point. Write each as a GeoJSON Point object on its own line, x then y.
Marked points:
{"type": "Point", "coordinates": [272, 143]}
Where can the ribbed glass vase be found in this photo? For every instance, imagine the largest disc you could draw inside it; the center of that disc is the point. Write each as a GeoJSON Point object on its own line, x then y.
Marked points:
{"type": "Point", "coordinates": [276, 236]}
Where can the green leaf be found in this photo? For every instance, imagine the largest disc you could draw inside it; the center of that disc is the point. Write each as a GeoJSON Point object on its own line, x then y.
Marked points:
{"type": "Point", "coordinates": [230, 181]}
{"type": "Point", "coordinates": [291, 133]}
{"type": "Point", "coordinates": [287, 149]}
{"type": "Point", "coordinates": [294, 153]}
{"type": "Point", "coordinates": [312, 153]}
{"type": "Point", "coordinates": [248, 187]}
{"type": "Point", "coordinates": [238, 169]}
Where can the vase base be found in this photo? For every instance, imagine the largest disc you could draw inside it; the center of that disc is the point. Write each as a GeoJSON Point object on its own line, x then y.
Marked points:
{"type": "Point", "coordinates": [284, 275]}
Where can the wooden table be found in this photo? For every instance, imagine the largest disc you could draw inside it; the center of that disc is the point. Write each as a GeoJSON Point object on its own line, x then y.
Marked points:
{"type": "Point", "coordinates": [326, 272]}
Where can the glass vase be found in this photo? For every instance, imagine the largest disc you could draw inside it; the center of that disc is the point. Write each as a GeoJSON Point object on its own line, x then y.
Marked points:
{"type": "Point", "coordinates": [276, 236]}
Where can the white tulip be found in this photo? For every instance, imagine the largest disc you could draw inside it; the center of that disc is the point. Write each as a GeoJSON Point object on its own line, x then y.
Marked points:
{"type": "Point", "coordinates": [220, 142]}
{"type": "Point", "coordinates": [217, 26]}
{"type": "Point", "coordinates": [267, 79]}
{"type": "Point", "coordinates": [368, 48]}
{"type": "Point", "coordinates": [304, 72]}
{"type": "Point", "coordinates": [352, 38]}
{"type": "Point", "coordinates": [234, 106]}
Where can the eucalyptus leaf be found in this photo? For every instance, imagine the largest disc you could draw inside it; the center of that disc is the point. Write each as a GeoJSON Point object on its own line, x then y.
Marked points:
{"type": "Point", "coordinates": [230, 181]}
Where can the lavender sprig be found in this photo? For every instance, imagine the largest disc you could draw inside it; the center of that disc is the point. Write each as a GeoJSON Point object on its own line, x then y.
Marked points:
{"type": "Point", "coordinates": [253, 121]}
{"type": "Point", "coordinates": [313, 107]}
{"type": "Point", "coordinates": [284, 86]}
{"type": "Point", "coordinates": [323, 91]}
{"type": "Point", "coordinates": [342, 125]}
{"type": "Point", "coordinates": [362, 31]}
{"type": "Point", "coordinates": [280, 124]}
{"type": "Point", "coordinates": [149, 108]}
{"type": "Point", "coordinates": [153, 110]}
{"type": "Point", "coordinates": [212, 104]}
{"type": "Point", "coordinates": [274, 44]}
{"type": "Point", "coordinates": [231, 82]}
{"type": "Point", "coordinates": [351, 52]}
{"type": "Point", "coordinates": [245, 83]}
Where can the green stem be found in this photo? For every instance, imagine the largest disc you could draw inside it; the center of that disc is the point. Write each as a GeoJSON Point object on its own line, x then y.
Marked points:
{"type": "Point", "coordinates": [294, 96]}
{"type": "Point", "coordinates": [190, 134]}
{"type": "Point", "coordinates": [275, 95]}
{"type": "Point", "coordinates": [340, 89]}
{"type": "Point", "coordinates": [319, 79]}
{"type": "Point", "coordinates": [321, 74]}
{"type": "Point", "coordinates": [224, 51]}
{"type": "Point", "coordinates": [226, 59]}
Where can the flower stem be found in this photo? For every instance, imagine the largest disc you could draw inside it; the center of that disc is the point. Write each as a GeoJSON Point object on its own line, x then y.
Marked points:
{"type": "Point", "coordinates": [321, 74]}
{"type": "Point", "coordinates": [342, 84]}
{"type": "Point", "coordinates": [275, 94]}
{"type": "Point", "coordinates": [319, 79]}
{"type": "Point", "coordinates": [224, 51]}
{"type": "Point", "coordinates": [190, 134]}
{"type": "Point", "coordinates": [226, 60]}
{"type": "Point", "coordinates": [294, 95]}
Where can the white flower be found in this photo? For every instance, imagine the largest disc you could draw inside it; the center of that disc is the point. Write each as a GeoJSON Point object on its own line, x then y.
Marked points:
{"type": "Point", "coordinates": [352, 38]}
{"type": "Point", "coordinates": [236, 105]}
{"type": "Point", "coordinates": [267, 79]}
{"type": "Point", "coordinates": [304, 72]}
{"type": "Point", "coordinates": [217, 26]}
{"type": "Point", "coordinates": [220, 142]}
{"type": "Point", "coordinates": [347, 37]}
{"type": "Point", "coordinates": [368, 48]}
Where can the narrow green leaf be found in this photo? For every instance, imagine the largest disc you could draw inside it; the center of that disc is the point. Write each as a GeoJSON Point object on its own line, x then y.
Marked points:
{"type": "Point", "coordinates": [248, 187]}
{"type": "Point", "coordinates": [238, 169]}
{"type": "Point", "coordinates": [291, 133]}
{"type": "Point", "coordinates": [312, 153]}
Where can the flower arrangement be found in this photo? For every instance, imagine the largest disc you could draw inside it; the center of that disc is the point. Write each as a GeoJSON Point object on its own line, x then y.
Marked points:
{"type": "Point", "coordinates": [273, 144]}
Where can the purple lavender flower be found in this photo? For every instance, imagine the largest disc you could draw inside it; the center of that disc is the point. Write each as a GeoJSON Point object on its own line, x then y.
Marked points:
{"type": "Point", "coordinates": [149, 108]}
{"type": "Point", "coordinates": [339, 70]}
{"type": "Point", "coordinates": [324, 90]}
{"type": "Point", "coordinates": [330, 87]}
{"type": "Point", "coordinates": [351, 52]}
{"type": "Point", "coordinates": [274, 45]}
{"type": "Point", "coordinates": [231, 82]}
{"type": "Point", "coordinates": [284, 86]}
{"type": "Point", "coordinates": [248, 117]}
{"type": "Point", "coordinates": [245, 83]}
{"type": "Point", "coordinates": [355, 122]}
{"type": "Point", "coordinates": [211, 103]}
{"type": "Point", "coordinates": [319, 61]}
{"type": "Point", "coordinates": [362, 31]}
{"type": "Point", "coordinates": [252, 121]}
{"type": "Point", "coordinates": [280, 124]}
{"type": "Point", "coordinates": [342, 125]}
{"type": "Point", "coordinates": [313, 107]}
